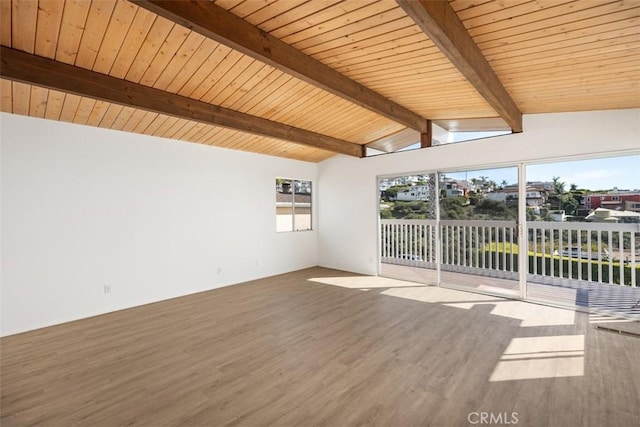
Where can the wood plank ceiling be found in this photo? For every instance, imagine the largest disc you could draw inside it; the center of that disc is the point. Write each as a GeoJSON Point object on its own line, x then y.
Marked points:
{"type": "Point", "coordinates": [550, 56]}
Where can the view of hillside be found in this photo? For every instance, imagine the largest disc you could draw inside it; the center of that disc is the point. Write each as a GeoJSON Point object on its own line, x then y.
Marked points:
{"type": "Point", "coordinates": [482, 198]}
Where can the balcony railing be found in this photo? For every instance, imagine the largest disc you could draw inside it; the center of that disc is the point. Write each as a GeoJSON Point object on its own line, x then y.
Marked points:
{"type": "Point", "coordinates": [409, 242]}
{"type": "Point", "coordinates": [592, 252]}
{"type": "Point", "coordinates": [487, 248]}
{"type": "Point", "coordinates": [557, 252]}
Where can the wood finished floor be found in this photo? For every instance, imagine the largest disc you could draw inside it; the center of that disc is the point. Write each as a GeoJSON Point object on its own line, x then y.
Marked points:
{"type": "Point", "coordinates": [340, 349]}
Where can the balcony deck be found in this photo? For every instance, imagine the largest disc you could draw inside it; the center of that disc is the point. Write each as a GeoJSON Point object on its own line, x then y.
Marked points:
{"type": "Point", "coordinates": [588, 266]}
{"type": "Point", "coordinates": [616, 300]}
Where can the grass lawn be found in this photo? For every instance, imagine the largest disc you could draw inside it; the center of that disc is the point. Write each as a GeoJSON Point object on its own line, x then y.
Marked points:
{"type": "Point", "coordinates": [509, 247]}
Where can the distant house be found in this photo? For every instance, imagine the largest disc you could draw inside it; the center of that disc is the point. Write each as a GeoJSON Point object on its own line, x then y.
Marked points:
{"type": "Point", "coordinates": [417, 192]}
{"type": "Point", "coordinates": [614, 199]}
{"type": "Point", "coordinates": [536, 197]}
{"type": "Point", "coordinates": [543, 185]}
{"type": "Point", "coordinates": [387, 183]}
{"type": "Point", "coordinates": [632, 205]}
{"type": "Point", "coordinates": [451, 189]}
{"type": "Point", "coordinates": [609, 215]}
{"type": "Point", "coordinates": [466, 186]}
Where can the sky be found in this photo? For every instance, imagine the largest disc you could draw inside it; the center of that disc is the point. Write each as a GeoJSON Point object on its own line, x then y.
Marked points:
{"type": "Point", "coordinates": [595, 174]}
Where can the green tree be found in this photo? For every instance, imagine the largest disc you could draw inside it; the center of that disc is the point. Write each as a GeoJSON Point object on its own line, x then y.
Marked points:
{"type": "Point", "coordinates": [578, 195]}
{"type": "Point", "coordinates": [452, 208]}
{"type": "Point", "coordinates": [558, 186]}
{"type": "Point", "coordinates": [568, 203]}
{"type": "Point", "coordinates": [494, 209]}
{"type": "Point", "coordinates": [410, 210]}
{"type": "Point", "coordinates": [391, 192]}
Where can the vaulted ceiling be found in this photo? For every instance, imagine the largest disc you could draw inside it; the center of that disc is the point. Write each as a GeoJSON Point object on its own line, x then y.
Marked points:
{"type": "Point", "coordinates": [307, 79]}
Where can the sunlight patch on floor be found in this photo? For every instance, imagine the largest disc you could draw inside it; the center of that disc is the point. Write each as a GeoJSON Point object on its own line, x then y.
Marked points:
{"type": "Point", "coordinates": [363, 282]}
{"type": "Point", "coordinates": [434, 294]}
{"type": "Point", "coordinates": [498, 290]}
{"type": "Point", "coordinates": [541, 357]}
{"type": "Point", "coordinates": [531, 315]}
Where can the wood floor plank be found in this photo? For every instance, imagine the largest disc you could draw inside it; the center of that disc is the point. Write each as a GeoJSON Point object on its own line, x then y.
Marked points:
{"type": "Point", "coordinates": [318, 347]}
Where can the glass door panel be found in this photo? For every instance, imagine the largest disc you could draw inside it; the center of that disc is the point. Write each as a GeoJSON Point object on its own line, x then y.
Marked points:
{"type": "Point", "coordinates": [408, 240]}
{"type": "Point", "coordinates": [583, 226]}
{"type": "Point", "coordinates": [478, 229]}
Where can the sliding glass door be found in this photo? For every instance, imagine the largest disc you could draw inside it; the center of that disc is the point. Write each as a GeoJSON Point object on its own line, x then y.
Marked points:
{"type": "Point", "coordinates": [408, 227]}
{"type": "Point", "coordinates": [584, 240]}
{"type": "Point", "coordinates": [479, 241]}
{"type": "Point", "coordinates": [563, 233]}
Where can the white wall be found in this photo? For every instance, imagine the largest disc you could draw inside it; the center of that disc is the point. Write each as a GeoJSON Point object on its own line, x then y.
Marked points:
{"type": "Point", "coordinates": [85, 207]}
{"type": "Point", "coordinates": [348, 189]}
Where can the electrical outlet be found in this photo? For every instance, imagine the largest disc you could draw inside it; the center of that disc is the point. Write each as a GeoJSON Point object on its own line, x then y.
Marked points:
{"type": "Point", "coordinates": [219, 270]}
{"type": "Point", "coordinates": [107, 289]}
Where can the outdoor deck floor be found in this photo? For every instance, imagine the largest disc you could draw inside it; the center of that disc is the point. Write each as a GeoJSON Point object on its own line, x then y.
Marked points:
{"type": "Point", "coordinates": [618, 300]}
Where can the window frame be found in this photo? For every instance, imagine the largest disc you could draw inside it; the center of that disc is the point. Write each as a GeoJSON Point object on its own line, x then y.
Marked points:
{"type": "Point", "coordinates": [294, 185]}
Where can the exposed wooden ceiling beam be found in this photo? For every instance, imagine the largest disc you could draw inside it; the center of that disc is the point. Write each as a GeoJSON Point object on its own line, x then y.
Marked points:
{"type": "Point", "coordinates": [441, 24]}
{"type": "Point", "coordinates": [426, 137]}
{"type": "Point", "coordinates": [27, 68]}
{"type": "Point", "coordinates": [215, 22]}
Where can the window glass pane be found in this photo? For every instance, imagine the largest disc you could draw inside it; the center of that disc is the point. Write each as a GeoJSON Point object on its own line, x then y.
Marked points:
{"type": "Point", "coordinates": [408, 228]}
{"type": "Point", "coordinates": [284, 204]}
{"type": "Point", "coordinates": [302, 205]}
{"type": "Point", "coordinates": [407, 197]}
{"type": "Point", "coordinates": [584, 241]}
{"type": "Point", "coordinates": [479, 195]}
{"type": "Point", "coordinates": [480, 246]}
{"type": "Point", "coordinates": [293, 205]}
{"type": "Point", "coordinates": [595, 190]}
